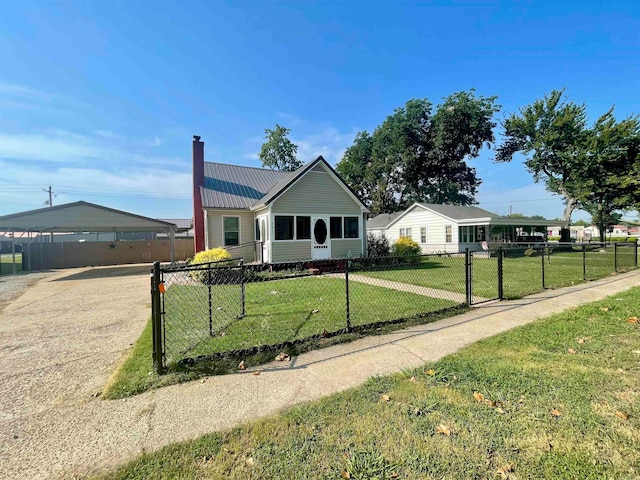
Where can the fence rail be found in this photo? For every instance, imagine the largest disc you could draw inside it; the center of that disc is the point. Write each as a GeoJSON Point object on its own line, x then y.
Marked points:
{"type": "Point", "coordinates": [208, 311]}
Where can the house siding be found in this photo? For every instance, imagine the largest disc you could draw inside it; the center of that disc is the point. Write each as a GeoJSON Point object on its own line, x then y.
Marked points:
{"type": "Point", "coordinates": [348, 247]}
{"type": "Point", "coordinates": [214, 237]}
{"type": "Point", "coordinates": [435, 224]}
{"type": "Point", "coordinates": [285, 251]}
{"type": "Point", "coordinates": [316, 193]}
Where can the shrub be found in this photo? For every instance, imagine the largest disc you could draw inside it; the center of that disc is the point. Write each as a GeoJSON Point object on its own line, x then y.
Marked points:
{"type": "Point", "coordinates": [377, 246]}
{"type": "Point", "coordinates": [208, 256]}
{"type": "Point", "coordinates": [404, 246]}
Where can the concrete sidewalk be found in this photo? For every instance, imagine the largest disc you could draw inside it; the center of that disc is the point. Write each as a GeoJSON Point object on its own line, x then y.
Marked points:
{"type": "Point", "coordinates": [75, 437]}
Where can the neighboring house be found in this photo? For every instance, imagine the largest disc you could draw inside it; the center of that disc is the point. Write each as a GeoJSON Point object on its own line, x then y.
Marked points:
{"type": "Point", "coordinates": [273, 216]}
{"type": "Point", "coordinates": [454, 228]}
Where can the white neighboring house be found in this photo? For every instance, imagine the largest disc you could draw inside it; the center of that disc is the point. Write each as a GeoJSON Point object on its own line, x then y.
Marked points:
{"type": "Point", "coordinates": [454, 228]}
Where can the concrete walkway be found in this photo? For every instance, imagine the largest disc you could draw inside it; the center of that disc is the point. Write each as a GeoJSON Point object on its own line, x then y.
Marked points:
{"type": "Point", "coordinates": [72, 433]}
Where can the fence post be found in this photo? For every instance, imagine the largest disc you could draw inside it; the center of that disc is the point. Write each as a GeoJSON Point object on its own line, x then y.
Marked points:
{"type": "Point", "coordinates": [346, 282]}
{"type": "Point", "coordinates": [210, 300]}
{"type": "Point", "coordinates": [242, 289]}
{"type": "Point", "coordinates": [635, 255]}
{"type": "Point", "coordinates": [615, 256]}
{"type": "Point", "coordinates": [156, 319]}
{"type": "Point", "coordinates": [500, 275]}
{"type": "Point", "coordinates": [542, 257]}
{"type": "Point", "coordinates": [468, 276]}
{"type": "Point", "coordinates": [584, 262]}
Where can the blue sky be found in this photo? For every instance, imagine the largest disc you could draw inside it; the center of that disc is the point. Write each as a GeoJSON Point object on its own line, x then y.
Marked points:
{"type": "Point", "coordinates": [101, 99]}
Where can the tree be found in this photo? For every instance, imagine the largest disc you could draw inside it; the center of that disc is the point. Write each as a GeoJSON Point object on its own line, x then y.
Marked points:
{"type": "Point", "coordinates": [609, 170]}
{"type": "Point", "coordinates": [278, 152]}
{"type": "Point", "coordinates": [417, 154]}
{"type": "Point", "coordinates": [551, 134]}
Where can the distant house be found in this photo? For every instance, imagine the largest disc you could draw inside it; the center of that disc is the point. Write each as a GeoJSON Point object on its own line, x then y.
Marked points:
{"type": "Point", "coordinates": [273, 216]}
{"type": "Point", "coordinates": [454, 228]}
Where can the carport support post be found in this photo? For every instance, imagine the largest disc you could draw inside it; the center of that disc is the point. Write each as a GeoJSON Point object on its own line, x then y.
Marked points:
{"type": "Point", "coordinates": [156, 319]}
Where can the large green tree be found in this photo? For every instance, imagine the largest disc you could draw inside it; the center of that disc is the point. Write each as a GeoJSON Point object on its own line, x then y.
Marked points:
{"type": "Point", "coordinates": [419, 153]}
{"type": "Point", "coordinates": [550, 133]}
{"type": "Point", "coordinates": [278, 152]}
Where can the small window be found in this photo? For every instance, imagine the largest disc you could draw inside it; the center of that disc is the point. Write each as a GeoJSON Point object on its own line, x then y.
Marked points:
{"type": "Point", "coordinates": [351, 227]}
{"type": "Point", "coordinates": [284, 228]}
{"type": "Point", "coordinates": [448, 233]}
{"type": "Point", "coordinates": [462, 234]}
{"type": "Point", "coordinates": [408, 233]}
{"type": "Point", "coordinates": [231, 231]}
{"type": "Point", "coordinates": [402, 232]}
{"type": "Point", "coordinates": [423, 234]}
{"type": "Point", "coordinates": [336, 227]}
{"type": "Point", "coordinates": [303, 228]}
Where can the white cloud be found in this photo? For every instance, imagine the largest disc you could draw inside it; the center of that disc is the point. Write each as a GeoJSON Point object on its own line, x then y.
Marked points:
{"type": "Point", "coordinates": [22, 91]}
{"type": "Point", "coordinates": [55, 146]}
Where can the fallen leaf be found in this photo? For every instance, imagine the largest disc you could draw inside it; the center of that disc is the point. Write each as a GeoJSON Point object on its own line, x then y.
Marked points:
{"type": "Point", "coordinates": [203, 380]}
{"type": "Point", "coordinates": [386, 398]}
{"type": "Point", "coordinates": [412, 379]}
{"type": "Point", "coordinates": [394, 475]}
{"type": "Point", "coordinates": [249, 461]}
{"type": "Point", "coordinates": [478, 396]}
{"type": "Point", "coordinates": [503, 471]}
{"type": "Point", "coordinates": [521, 399]}
{"type": "Point", "coordinates": [622, 415]}
{"type": "Point", "coordinates": [571, 351]}
{"type": "Point", "coordinates": [500, 411]}
{"type": "Point", "coordinates": [315, 310]}
{"type": "Point", "coordinates": [417, 412]}
{"type": "Point", "coordinates": [325, 333]}
{"type": "Point", "coordinates": [345, 474]}
{"type": "Point", "coordinates": [491, 403]}
{"type": "Point", "coordinates": [257, 372]}
{"type": "Point", "coordinates": [604, 309]}
{"type": "Point", "coordinates": [556, 413]}
{"type": "Point", "coordinates": [431, 373]}
{"type": "Point", "coordinates": [241, 365]}
{"type": "Point", "coordinates": [443, 429]}
{"type": "Point", "coordinates": [581, 341]}
{"type": "Point", "coordinates": [632, 320]}
{"type": "Point", "coordinates": [282, 357]}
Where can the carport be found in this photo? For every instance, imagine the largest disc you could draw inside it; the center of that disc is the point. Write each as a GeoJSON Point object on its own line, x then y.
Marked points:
{"type": "Point", "coordinates": [82, 217]}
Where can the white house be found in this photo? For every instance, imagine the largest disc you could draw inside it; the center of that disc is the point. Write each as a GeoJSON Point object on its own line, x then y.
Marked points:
{"type": "Point", "coordinates": [454, 228]}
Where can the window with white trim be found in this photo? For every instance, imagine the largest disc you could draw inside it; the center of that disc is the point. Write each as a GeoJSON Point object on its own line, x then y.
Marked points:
{"type": "Point", "coordinates": [448, 233]}
{"type": "Point", "coordinates": [231, 229]}
{"type": "Point", "coordinates": [423, 234]}
{"type": "Point", "coordinates": [284, 227]}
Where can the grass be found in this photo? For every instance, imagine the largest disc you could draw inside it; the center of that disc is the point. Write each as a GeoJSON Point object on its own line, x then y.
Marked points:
{"type": "Point", "coordinates": [557, 393]}
{"type": "Point", "coordinates": [278, 312]}
{"type": "Point", "coordinates": [6, 263]}
{"type": "Point", "coordinates": [522, 275]}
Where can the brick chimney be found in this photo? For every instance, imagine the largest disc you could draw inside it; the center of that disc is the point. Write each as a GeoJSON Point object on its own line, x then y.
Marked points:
{"type": "Point", "coordinates": [198, 182]}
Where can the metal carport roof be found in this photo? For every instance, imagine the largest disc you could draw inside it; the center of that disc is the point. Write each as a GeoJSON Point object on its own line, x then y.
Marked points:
{"type": "Point", "coordinates": [84, 217]}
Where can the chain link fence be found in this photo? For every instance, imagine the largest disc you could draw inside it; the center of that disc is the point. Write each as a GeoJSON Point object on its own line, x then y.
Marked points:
{"type": "Point", "coordinates": [207, 311]}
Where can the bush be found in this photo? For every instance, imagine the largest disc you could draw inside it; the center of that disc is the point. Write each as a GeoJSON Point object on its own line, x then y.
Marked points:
{"type": "Point", "coordinates": [404, 246]}
{"type": "Point", "coordinates": [377, 246]}
{"type": "Point", "coordinates": [218, 254]}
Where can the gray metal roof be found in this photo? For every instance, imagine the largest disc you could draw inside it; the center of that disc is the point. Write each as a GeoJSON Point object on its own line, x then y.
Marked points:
{"type": "Point", "coordinates": [180, 223]}
{"type": "Point", "coordinates": [459, 212]}
{"type": "Point", "coordinates": [382, 220]}
{"type": "Point", "coordinates": [233, 186]}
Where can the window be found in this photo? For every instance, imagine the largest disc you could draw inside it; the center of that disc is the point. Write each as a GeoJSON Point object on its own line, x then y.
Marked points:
{"type": "Point", "coordinates": [303, 228]}
{"type": "Point", "coordinates": [405, 232]}
{"type": "Point", "coordinates": [284, 228]}
{"type": "Point", "coordinates": [466, 234]}
{"type": "Point", "coordinates": [336, 227]}
{"type": "Point", "coordinates": [351, 227]}
{"type": "Point", "coordinates": [231, 226]}
{"type": "Point", "coordinates": [423, 234]}
{"type": "Point", "coordinates": [448, 233]}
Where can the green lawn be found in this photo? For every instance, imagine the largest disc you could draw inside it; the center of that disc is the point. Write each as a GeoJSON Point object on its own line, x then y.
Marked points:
{"type": "Point", "coordinates": [557, 398]}
{"type": "Point", "coordinates": [6, 263]}
{"type": "Point", "coordinates": [522, 274]}
{"type": "Point", "coordinates": [277, 312]}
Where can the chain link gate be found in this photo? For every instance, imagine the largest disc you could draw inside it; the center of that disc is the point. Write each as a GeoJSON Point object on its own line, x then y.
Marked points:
{"type": "Point", "coordinates": [484, 276]}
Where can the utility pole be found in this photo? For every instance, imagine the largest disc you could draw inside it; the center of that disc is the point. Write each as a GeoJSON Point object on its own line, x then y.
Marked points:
{"type": "Point", "coordinates": [50, 192]}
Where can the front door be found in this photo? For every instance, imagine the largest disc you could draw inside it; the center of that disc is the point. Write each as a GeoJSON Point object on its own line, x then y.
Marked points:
{"type": "Point", "coordinates": [264, 235]}
{"type": "Point", "coordinates": [320, 241]}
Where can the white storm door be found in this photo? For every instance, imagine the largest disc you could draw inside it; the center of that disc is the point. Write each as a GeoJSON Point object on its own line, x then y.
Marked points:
{"type": "Point", "coordinates": [264, 236]}
{"type": "Point", "coordinates": [320, 241]}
